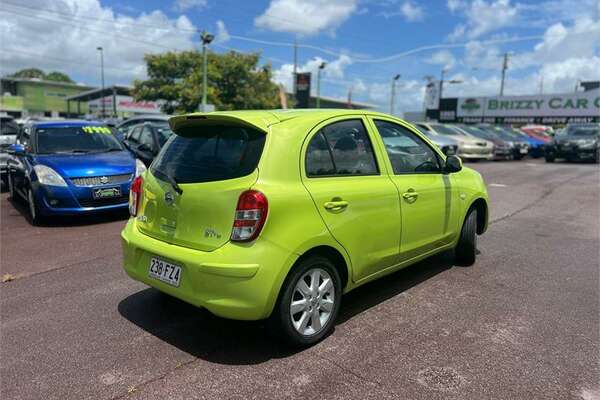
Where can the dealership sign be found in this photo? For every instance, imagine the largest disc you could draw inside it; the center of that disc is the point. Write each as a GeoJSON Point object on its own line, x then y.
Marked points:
{"type": "Point", "coordinates": [583, 104]}
{"type": "Point", "coordinates": [125, 104]}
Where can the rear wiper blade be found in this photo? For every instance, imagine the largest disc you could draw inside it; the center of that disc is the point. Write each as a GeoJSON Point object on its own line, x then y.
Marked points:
{"type": "Point", "coordinates": [170, 180]}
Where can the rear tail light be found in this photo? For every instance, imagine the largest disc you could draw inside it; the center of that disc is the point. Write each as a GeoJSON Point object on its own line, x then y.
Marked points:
{"type": "Point", "coordinates": [135, 195]}
{"type": "Point", "coordinates": [250, 216]}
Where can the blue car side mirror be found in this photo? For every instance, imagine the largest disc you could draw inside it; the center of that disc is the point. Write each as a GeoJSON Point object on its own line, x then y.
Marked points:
{"type": "Point", "coordinates": [16, 149]}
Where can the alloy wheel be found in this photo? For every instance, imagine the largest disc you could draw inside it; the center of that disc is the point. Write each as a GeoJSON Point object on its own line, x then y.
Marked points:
{"type": "Point", "coordinates": [312, 302]}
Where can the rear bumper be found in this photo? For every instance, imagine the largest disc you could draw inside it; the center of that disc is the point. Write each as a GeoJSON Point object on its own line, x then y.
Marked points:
{"type": "Point", "coordinates": [237, 281]}
{"type": "Point", "coordinates": [572, 152]}
{"type": "Point", "coordinates": [476, 152]}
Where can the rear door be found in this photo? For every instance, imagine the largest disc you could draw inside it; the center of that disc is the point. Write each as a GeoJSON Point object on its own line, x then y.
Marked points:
{"type": "Point", "coordinates": [353, 193]}
{"type": "Point", "coordinates": [212, 165]}
{"type": "Point", "coordinates": [426, 194]}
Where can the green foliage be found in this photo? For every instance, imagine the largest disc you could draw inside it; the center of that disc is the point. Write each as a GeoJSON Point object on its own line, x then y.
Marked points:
{"type": "Point", "coordinates": [235, 81]}
{"type": "Point", "coordinates": [29, 73]}
{"type": "Point", "coordinates": [58, 77]}
{"type": "Point", "coordinates": [39, 74]}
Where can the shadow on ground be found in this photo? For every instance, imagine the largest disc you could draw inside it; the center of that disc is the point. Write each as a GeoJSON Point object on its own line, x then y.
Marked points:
{"type": "Point", "coordinates": [203, 335]}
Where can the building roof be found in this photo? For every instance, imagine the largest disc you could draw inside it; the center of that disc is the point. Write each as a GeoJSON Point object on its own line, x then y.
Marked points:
{"type": "Point", "coordinates": [45, 82]}
{"type": "Point", "coordinates": [98, 93]}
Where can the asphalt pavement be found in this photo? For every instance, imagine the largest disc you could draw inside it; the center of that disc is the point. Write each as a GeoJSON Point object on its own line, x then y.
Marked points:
{"type": "Point", "coordinates": [522, 323]}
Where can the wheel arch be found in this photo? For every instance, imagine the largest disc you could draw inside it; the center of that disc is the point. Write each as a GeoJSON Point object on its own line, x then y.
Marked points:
{"type": "Point", "coordinates": [480, 204]}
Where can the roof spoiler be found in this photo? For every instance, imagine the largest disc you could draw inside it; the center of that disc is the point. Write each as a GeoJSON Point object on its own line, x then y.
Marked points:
{"type": "Point", "coordinates": [180, 122]}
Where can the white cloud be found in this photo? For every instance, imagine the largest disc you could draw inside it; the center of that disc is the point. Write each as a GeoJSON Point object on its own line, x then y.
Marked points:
{"type": "Point", "coordinates": [184, 5]}
{"type": "Point", "coordinates": [443, 57]}
{"type": "Point", "coordinates": [74, 40]}
{"type": "Point", "coordinates": [305, 17]}
{"type": "Point", "coordinates": [454, 5]}
{"type": "Point", "coordinates": [411, 12]}
{"type": "Point", "coordinates": [222, 35]}
{"type": "Point", "coordinates": [484, 17]}
{"type": "Point", "coordinates": [334, 70]}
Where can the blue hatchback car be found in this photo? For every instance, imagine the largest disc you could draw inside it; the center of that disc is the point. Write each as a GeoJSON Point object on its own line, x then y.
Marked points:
{"type": "Point", "coordinates": [70, 167]}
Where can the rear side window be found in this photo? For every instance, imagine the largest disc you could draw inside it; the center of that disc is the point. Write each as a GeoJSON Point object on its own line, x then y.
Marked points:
{"type": "Point", "coordinates": [341, 149]}
{"type": "Point", "coordinates": [212, 153]}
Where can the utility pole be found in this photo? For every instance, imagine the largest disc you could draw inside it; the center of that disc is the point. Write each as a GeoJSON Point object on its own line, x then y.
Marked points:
{"type": "Point", "coordinates": [101, 50]}
{"type": "Point", "coordinates": [321, 66]}
{"type": "Point", "coordinates": [392, 98]}
{"type": "Point", "coordinates": [441, 91]}
{"type": "Point", "coordinates": [504, 68]}
{"type": "Point", "coordinates": [206, 39]}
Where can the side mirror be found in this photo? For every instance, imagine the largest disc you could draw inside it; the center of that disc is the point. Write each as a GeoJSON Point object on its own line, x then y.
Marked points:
{"type": "Point", "coordinates": [453, 164]}
{"type": "Point", "coordinates": [16, 149]}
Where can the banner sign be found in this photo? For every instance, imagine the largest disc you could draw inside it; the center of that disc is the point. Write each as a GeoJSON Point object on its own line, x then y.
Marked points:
{"type": "Point", "coordinates": [302, 90]}
{"type": "Point", "coordinates": [124, 104]}
{"type": "Point", "coordinates": [582, 104]}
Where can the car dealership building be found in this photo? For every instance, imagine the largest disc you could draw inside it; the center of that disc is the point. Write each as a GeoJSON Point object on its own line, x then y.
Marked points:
{"type": "Point", "coordinates": [548, 109]}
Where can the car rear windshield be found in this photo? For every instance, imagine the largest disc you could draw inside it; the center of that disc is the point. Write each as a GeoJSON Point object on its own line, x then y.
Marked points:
{"type": "Point", "coordinates": [76, 139]}
{"type": "Point", "coordinates": [210, 153]}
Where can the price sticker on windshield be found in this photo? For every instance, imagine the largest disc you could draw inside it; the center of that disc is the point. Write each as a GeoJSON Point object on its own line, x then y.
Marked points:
{"type": "Point", "coordinates": [97, 129]}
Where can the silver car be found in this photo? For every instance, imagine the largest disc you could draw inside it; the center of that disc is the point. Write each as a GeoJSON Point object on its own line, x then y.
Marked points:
{"type": "Point", "coordinates": [469, 148]}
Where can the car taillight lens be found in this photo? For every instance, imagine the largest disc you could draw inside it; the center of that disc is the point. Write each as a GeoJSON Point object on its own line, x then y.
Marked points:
{"type": "Point", "coordinates": [250, 216]}
{"type": "Point", "coordinates": [135, 195]}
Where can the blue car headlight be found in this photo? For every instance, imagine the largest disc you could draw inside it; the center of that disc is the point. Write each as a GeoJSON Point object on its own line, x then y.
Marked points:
{"type": "Point", "coordinates": [48, 176]}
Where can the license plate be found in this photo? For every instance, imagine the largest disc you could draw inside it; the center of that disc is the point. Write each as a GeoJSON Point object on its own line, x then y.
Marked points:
{"type": "Point", "coordinates": [106, 193]}
{"type": "Point", "coordinates": [523, 151]}
{"type": "Point", "coordinates": [164, 271]}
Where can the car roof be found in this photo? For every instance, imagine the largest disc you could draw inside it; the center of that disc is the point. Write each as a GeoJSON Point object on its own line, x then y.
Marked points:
{"type": "Point", "coordinates": [263, 119]}
{"type": "Point", "coordinates": [65, 123]}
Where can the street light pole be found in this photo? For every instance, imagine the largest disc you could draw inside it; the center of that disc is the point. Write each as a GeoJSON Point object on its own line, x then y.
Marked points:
{"type": "Point", "coordinates": [206, 39]}
{"type": "Point", "coordinates": [392, 97]}
{"type": "Point", "coordinates": [504, 68]}
{"type": "Point", "coordinates": [101, 50]}
{"type": "Point", "coordinates": [321, 66]}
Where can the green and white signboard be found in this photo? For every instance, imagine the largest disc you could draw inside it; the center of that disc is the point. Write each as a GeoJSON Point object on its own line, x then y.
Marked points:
{"type": "Point", "coordinates": [551, 108]}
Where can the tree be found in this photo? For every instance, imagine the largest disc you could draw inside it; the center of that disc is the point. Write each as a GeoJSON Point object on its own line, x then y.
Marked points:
{"type": "Point", "coordinates": [58, 77]}
{"type": "Point", "coordinates": [39, 74]}
{"type": "Point", "coordinates": [29, 73]}
{"type": "Point", "coordinates": [235, 81]}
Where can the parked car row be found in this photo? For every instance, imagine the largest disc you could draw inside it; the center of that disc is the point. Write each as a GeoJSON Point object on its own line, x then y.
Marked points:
{"type": "Point", "coordinates": [497, 142]}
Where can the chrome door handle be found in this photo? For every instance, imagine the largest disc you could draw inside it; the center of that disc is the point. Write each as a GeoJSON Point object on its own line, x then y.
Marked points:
{"type": "Point", "coordinates": [410, 195]}
{"type": "Point", "coordinates": [335, 205]}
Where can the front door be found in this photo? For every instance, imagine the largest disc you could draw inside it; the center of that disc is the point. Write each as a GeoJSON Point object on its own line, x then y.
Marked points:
{"type": "Point", "coordinates": [425, 192]}
{"type": "Point", "coordinates": [353, 194]}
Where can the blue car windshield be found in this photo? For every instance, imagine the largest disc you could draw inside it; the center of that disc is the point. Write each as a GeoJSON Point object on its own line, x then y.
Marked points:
{"type": "Point", "coordinates": [76, 139]}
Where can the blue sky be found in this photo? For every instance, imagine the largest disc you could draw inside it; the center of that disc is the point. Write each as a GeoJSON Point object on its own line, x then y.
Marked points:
{"type": "Point", "coordinates": [552, 43]}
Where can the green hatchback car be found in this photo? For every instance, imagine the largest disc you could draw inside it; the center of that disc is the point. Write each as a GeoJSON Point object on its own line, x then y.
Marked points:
{"type": "Point", "coordinates": [276, 214]}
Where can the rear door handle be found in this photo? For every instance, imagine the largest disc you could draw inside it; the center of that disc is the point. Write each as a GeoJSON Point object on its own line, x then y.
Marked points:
{"type": "Point", "coordinates": [410, 195]}
{"type": "Point", "coordinates": [335, 205]}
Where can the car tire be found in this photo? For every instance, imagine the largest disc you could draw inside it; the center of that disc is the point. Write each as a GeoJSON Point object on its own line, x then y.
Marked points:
{"type": "Point", "coordinates": [597, 156]}
{"type": "Point", "coordinates": [321, 306]}
{"type": "Point", "coordinates": [466, 249]}
{"type": "Point", "coordinates": [34, 213]}
{"type": "Point", "coordinates": [550, 157]}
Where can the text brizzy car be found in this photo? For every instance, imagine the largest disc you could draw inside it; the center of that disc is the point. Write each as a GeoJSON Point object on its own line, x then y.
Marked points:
{"type": "Point", "coordinates": [277, 214]}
